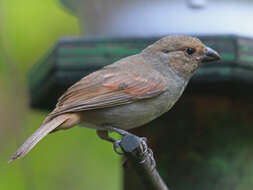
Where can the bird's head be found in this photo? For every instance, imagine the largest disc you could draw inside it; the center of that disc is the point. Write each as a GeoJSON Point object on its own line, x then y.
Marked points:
{"type": "Point", "coordinates": [184, 54]}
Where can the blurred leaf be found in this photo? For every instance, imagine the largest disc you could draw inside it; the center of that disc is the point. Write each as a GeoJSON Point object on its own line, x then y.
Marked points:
{"type": "Point", "coordinates": [73, 159]}
{"type": "Point", "coordinates": [30, 27]}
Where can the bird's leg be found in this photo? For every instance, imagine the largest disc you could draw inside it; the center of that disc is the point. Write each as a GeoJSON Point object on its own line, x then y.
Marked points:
{"type": "Point", "coordinates": [104, 134]}
{"type": "Point", "coordinates": [119, 131]}
{"type": "Point", "coordinates": [116, 143]}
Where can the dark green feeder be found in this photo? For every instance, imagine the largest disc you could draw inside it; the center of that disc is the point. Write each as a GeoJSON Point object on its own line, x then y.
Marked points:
{"type": "Point", "coordinates": [205, 141]}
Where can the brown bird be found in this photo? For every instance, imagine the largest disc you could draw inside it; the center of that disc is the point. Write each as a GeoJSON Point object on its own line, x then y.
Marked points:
{"type": "Point", "coordinates": [128, 93]}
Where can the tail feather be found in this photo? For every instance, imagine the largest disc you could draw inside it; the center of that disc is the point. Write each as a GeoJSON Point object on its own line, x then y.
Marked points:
{"type": "Point", "coordinates": [40, 133]}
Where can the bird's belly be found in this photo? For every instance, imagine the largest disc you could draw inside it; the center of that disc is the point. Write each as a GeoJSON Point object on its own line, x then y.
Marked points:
{"type": "Point", "coordinates": [129, 116]}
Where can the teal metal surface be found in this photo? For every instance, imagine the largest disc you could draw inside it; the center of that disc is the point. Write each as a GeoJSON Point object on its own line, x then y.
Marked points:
{"type": "Point", "coordinates": [73, 58]}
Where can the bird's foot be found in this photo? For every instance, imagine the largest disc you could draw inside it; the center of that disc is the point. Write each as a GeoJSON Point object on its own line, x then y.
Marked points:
{"type": "Point", "coordinates": [144, 146]}
{"type": "Point", "coordinates": [143, 141]}
{"type": "Point", "coordinates": [132, 139]}
{"type": "Point", "coordinates": [116, 143]}
{"type": "Point", "coordinates": [119, 131]}
{"type": "Point", "coordinates": [150, 155]}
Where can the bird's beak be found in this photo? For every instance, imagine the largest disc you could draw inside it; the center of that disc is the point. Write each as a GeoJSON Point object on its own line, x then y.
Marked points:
{"type": "Point", "coordinates": [210, 55]}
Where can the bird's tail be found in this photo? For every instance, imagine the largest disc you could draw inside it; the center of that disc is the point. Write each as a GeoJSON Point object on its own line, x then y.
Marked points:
{"type": "Point", "coordinates": [40, 133]}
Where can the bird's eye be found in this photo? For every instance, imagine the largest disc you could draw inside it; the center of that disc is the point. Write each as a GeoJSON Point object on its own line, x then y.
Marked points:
{"type": "Point", "coordinates": [190, 51]}
{"type": "Point", "coordinates": [165, 51]}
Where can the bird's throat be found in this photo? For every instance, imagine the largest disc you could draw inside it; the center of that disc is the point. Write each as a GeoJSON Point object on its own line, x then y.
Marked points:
{"type": "Point", "coordinates": [183, 69]}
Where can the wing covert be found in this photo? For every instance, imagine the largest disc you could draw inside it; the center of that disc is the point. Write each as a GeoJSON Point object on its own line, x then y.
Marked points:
{"type": "Point", "coordinates": [100, 90]}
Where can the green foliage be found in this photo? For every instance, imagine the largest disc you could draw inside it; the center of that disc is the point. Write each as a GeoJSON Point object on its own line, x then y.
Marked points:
{"type": "Point", "coordinates": [73, 159]}
{"type": "Point", "coordinates": [1, 65]}
{"type": "Point", "coordinates": [29, 28]}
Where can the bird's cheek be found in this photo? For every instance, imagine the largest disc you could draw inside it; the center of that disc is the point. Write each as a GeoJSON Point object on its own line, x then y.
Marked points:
{"type": "Point", "coordinates": [164, 57]}
{"type": "Point", "coordinates": [198, 58]}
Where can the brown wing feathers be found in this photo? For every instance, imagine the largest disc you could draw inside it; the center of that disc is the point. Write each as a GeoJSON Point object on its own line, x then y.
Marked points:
{"type": "Point", "coordinates": [113, 89]}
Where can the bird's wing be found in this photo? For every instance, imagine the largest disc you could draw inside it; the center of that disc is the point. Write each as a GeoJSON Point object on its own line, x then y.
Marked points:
{"type": "Point", "coordinates": [105, 89]}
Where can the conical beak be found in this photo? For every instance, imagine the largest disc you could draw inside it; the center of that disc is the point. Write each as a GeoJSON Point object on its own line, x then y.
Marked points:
{"type": "Point", "coordinates": [210, 55]}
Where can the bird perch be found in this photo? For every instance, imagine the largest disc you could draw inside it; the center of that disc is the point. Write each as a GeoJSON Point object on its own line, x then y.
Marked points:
{"type": "Point", "coordinates": [142, 162]}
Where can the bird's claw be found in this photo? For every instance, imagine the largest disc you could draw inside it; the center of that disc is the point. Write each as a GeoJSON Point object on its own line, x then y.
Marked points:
{"type": "Point", "coordinates": [116, 145]}
{"type": "Point", "coordinates": [144, 144]}
{"type": "Point", "coordinates": [152, 159]}
{"type": "Point", "coordinates": [149, 153]}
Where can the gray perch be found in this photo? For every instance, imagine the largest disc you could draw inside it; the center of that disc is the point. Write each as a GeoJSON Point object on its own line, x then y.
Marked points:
{"type": "Point", "coordinates": [142, 163]}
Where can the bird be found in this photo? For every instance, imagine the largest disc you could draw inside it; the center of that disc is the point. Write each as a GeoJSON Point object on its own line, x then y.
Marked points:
{"type": "Point", "coordinates": [128, 93]}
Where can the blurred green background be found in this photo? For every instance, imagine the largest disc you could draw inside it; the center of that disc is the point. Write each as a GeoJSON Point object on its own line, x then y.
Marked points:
{"type": "Point", "coordinates": [73, 159]}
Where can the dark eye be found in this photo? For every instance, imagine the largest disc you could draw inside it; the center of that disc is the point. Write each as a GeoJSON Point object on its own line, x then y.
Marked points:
{"type": "Point", "coordinates": [190, 51]}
